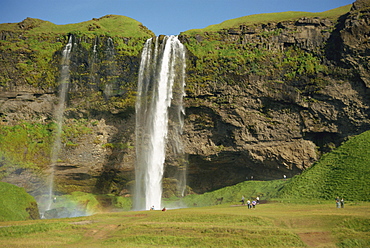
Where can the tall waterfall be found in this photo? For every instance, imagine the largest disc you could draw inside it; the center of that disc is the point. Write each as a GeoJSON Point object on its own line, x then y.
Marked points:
{"type": "Point", "coordinates": [58, 115]}
{"type": "Point", "coordinates": [159, 117]}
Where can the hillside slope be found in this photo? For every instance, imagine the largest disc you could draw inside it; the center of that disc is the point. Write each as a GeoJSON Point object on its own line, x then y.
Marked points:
{"type": "Point", "coordinates": [345, 172]}
{"type": "Point", "coordinates": [16, 204]}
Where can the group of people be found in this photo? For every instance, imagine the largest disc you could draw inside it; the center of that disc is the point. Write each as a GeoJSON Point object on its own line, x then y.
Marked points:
{"type": "Point", "coordinates": [339, 202]}
{"type": "Point", "coordinates": [163, 209]}
{"type": "Point", "coordinates": [249, 203]}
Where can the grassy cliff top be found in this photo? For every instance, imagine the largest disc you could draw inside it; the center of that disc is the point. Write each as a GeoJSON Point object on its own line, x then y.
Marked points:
{"type": "Point", "coordinates": [271, 17]}
{"type": "Point", "coordinates": [112, 25]}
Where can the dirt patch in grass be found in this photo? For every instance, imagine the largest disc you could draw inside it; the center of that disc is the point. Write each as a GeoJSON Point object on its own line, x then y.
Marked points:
{"type": "Point", "coordinates": [101, 233]}
{"type": "Point", "coordinates": [135, 215]}
{"type": "Point", "coordinates": [84, 222]}
{"type": "Point", "coordinates": [316, 239]}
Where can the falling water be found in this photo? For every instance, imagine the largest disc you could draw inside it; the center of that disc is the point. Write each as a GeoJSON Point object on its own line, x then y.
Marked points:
{"type": "Point", "coordinates": [110, 69]}
{"type": "Point", "coordinates": [93, 66]}
{"type": "Point", "coordinates": [160, 90]}
{"type": "Point", "coordinates": [58, 115]}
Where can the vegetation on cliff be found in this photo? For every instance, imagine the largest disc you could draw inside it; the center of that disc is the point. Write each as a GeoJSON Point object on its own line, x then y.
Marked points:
{"type": "Point", "coordinates": [16, 204]}
{"type": "Point", "coordinates": [28, 145]}
{"type": "Point", "coordinates": [32, 47]}
{"type": "Point", "coordinates": [270, 17]}
{"type": "Point", "coordinates": [227, 53]}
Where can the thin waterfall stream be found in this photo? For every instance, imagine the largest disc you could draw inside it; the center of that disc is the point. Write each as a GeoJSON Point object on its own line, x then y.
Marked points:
{"type": "Point", "coordinates": [58, 116]}
{"type": "Point", "coordinates": [159, 118]}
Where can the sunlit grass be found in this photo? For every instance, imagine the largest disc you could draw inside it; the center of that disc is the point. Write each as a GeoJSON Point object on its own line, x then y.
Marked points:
{"type": "Point", "coordinates": [344, 172]}
{"type": "Point", "coordinates": [269, 225]}
{"type": "Point", "coordinates": [107, 25]}
{"type": "Point", "coordinates": [271, 17]}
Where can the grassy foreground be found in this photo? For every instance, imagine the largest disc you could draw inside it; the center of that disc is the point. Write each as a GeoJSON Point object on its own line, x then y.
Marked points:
{"type": "Point", "coordinates": [271, 224]}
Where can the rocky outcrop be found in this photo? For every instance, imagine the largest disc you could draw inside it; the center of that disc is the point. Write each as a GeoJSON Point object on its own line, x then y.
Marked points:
{"type": "Point", "coordinates": [266, 124]}
{"type": "Point", "coordinates": [355, 36]}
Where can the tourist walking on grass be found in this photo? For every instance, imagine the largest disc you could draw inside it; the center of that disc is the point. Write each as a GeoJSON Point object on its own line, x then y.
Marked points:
{"type": "Point", "coordinates": [342, 203]}
{"type": "Point", "coordinates": [254, 204]}
{"type": "Point", "coordinates": [242, 201]}
{"type": "Point", "coordinates": [337, 202]}
{"type": "Point", "coordinates": [249, 204]}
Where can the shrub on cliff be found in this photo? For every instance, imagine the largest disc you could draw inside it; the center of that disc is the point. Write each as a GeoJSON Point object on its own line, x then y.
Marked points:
{"type": "Point", "coordinates": [16, 204]}
{"type": "Point", "coordinates": [345, 172]}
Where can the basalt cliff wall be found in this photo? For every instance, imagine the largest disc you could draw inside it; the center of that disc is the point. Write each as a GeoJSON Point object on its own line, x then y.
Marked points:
{"type": "Point", "coordinates": [264, 99]}
{"type": "Point", "coordinates": [300, 89]}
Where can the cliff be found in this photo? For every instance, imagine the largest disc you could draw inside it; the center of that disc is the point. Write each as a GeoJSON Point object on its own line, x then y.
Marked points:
{"type": "Point", "coordinates": [267, 95]}
{"type": "Point", "coordinates": [268, 99]}
{"type": "Point", "coordinates": [99, 119]}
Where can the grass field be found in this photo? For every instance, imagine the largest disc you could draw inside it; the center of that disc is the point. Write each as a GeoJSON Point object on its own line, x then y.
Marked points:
{"type": "Point", "coordinates": [271, 224]}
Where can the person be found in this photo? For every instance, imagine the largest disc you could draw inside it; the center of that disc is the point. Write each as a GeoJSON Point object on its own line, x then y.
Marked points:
{"type": "Point", "coordinates": [249, 204]}
{"type": "Point", "coordinates": [254, 204]}
{"type": "Point", "coordinates": [55, 200]}
{"type": "Point", "coordinates": [342, 203]}
{"type": "Point", "coordinates": [284, 177]}
{"type": "Point", "coordinates": [152, 208]}
{"type": "Point", "coordinates": [258, 200]}
{"type": "Point", "coordinates": [164, 209]}
{"type": "Point", "coordinates": [337, 202]}
{"type": "Point", "coordinates": [242, 201]}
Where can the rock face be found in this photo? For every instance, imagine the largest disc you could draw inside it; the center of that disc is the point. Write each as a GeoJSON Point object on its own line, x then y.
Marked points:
{"type": "Point", "coordinates": [263, 101]}
{"type": "Point", "coordinates": [274, 122]}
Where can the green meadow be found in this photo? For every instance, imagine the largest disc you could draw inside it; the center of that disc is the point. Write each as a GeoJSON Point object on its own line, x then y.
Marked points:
{"type": "Point", "coordinates": [271, 224]}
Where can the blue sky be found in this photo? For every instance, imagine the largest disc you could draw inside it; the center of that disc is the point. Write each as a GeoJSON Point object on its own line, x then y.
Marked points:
{"type": "Point", "coordinates": [161, 16]}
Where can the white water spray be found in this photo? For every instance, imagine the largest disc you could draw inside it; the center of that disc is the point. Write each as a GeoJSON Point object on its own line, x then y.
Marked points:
{"type": "Point", "coordinates": [58, 115]}
{"type": "Point", "coordinates": [160, 89]}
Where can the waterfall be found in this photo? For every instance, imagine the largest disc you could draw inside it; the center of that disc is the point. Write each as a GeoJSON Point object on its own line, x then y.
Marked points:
{"type": "Point", "coordinates": [159, 117]}
{"type": "Point", "coordinates": [110, 69]}
{"type": "Point", "coordinates": [93, 66]}
{"type": "Point", "coordinates": [58, 115]}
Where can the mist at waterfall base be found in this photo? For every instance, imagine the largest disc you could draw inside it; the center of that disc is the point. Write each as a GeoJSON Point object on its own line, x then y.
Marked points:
{"type": "Point", "coordinates": [159, 120]}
